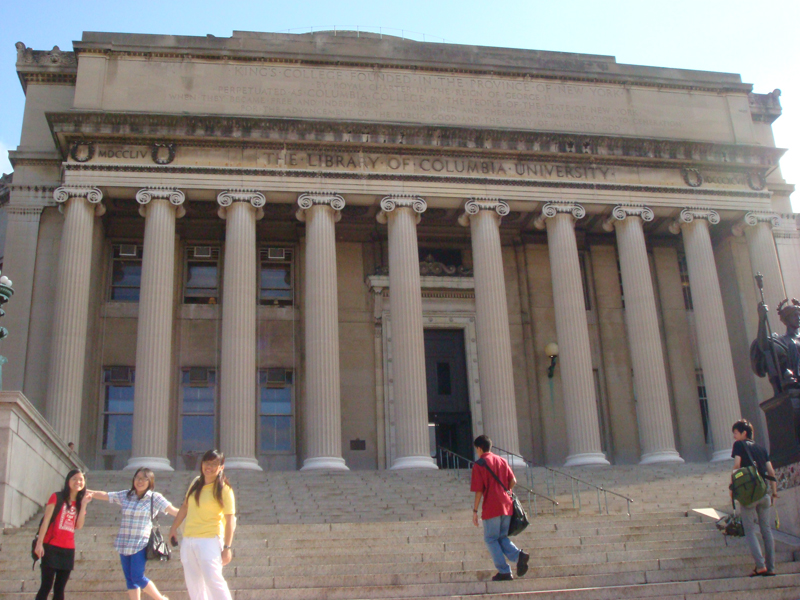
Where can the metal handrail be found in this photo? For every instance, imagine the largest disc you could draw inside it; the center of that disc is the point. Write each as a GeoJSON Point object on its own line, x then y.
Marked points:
{"type": "Point", "coordinates": [454, 461]}
{"type": "Point", "coordinates": [576, 492]}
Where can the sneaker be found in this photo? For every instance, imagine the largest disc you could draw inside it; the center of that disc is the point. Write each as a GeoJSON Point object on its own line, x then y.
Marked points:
{"type": "Point", "coordinates": [503, 577]}
{"type": "Point", "coordinates": [522, 563]}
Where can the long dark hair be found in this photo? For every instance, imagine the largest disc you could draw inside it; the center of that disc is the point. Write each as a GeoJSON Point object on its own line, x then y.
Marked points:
{"type": "Point", "coordinates": [151, 481]}
{"type": "Point", "coordinates": [66, 491]}
{"type": "Point", "coordinates": [219, 483]}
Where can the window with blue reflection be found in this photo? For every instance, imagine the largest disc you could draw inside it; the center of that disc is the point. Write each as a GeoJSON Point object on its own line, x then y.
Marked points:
{"type": "Point", "coordinates": [198, 410]}
{"type": "Point", "coordinates": [118, 383]}
{"type": "Point", "coordinates": [126, 273]}
{"type": "Point", "coordinates": [276, 411]}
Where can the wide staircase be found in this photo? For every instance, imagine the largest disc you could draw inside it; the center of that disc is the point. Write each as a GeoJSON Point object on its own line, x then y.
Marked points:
{"type": "Point", "coordinates": [371, 535]}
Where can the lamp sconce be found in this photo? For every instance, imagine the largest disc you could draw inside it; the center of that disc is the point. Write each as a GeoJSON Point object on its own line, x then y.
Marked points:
{"type": "Point", "coordinates": [551, 350]}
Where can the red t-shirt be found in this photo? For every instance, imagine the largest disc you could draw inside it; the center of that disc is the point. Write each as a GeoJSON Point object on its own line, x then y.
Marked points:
{"type": "Point", "coordinates": [496, 502]}
{"type": "Point", "coordinates": [61, 532]}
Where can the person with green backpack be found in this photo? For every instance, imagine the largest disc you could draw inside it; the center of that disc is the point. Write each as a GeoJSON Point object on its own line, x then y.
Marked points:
{"type": "Point", "coordinates": [751, 470]}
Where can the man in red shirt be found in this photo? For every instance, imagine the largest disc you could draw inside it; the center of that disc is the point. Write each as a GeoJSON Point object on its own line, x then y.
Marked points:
{"type": "Point", "coordinates": [497, 509]}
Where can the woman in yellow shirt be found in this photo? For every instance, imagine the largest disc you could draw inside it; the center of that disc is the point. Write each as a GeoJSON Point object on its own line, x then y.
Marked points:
{"type": "Point", "coordinates": [209, 509]}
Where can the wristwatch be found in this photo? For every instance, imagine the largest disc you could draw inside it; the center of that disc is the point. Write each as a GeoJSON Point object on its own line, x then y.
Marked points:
{"type": "Point", "coordinates": [227, 548]}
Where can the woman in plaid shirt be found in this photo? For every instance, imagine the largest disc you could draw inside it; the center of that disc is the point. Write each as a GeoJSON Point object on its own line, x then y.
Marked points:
{"type": "Point", "coordinates": [134, 531]}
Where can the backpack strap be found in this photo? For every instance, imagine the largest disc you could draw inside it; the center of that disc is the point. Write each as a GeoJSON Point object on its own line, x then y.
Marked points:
{"type": "Point", "coordinates": [482, 463]}
{"type": "Point", "coordinates": [752, 460]}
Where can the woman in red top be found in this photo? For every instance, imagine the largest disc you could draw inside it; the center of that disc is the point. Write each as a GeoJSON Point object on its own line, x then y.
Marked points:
{"type": "Point", "coordinates": [56, 543]}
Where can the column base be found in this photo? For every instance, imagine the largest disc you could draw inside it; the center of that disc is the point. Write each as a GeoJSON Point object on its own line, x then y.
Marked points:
{"type": "Point", "coordinates": [720, 455]}
{"type": "Point", "coordinates": [330, 463]}
{"type": "Point", "coordinates": [413, 462]}
{"type": "Point", "coordinates": [154, 463]}
{"type": "Point", "coordinates": [250, 464]}
{"type": "Point", "coordinates": [663, 456]}
{"type": "Point", "coordinates": [588, 459]}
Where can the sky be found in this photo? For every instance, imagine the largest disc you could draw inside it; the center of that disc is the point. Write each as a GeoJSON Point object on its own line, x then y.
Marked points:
{"type": "Point", "coordinates": [757, 40]}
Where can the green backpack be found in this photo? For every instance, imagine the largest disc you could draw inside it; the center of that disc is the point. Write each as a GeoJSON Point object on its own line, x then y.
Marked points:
{"type": "Point", "coordinates": [747, 484]}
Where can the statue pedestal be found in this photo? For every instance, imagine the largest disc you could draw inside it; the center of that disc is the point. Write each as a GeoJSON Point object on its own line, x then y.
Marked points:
{"type": "Point", "coordinates": [783, 424]}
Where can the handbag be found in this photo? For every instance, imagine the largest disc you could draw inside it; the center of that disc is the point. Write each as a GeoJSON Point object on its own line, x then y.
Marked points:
{"type": "Point", "coordinates": [519, 520]}
{"type": "Point", "coordinates": [157, 548]}
{"type": "Point", "coordinates": [731, 524]}
{"type": "Point", "coordinates": [747, 484]}
{"type": "Point", "coordinates": [56, 509]}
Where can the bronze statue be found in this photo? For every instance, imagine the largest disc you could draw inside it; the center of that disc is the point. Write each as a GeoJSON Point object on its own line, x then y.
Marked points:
{"type": "Point", "coordinates": [778, 356]}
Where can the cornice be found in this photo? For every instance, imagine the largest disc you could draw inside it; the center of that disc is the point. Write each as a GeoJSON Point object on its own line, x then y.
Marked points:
{"type": "Point", "coordinates": [87, 168]}
{"type": "Point", "coordinates": [145, 129]}
{"type": "Point", "coordinates": [45, 66]}
{"type": "Point", "coordinates": [564, 69]}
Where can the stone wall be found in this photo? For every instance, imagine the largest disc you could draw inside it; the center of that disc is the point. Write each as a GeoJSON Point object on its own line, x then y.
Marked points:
{"type": "Point", "coordinates": [33, 460]}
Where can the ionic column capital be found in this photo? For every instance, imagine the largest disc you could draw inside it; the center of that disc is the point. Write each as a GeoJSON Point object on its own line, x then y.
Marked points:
{"type": "Point", "coordinates": [476, 205]}
{"type": "Point", "coordinates": [307, 200]}
{"type": "Point", "coordinates": [228, 197]}
{"type": "Point", "coordinates": [753, 218]}
{"type": "Point", "coordinates": [688, 215]}
{"type": "Point", "coordinates": [551, 209]}
{"type": "Point", "coordinates": [390, 203]}
{"type": "Point", "coordinates": [92, 195]}
{"type": "Point", "coordinates": [175, 197]}
{"type": "Point", "coordinates": [623, 211]}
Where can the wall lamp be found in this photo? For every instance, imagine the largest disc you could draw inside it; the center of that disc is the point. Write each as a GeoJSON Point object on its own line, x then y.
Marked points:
{"type": "Point", "coordinates": [551, 350]}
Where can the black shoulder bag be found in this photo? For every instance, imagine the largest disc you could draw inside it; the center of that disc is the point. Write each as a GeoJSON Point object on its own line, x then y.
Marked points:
{"type": "Point", "coordinates": [56, 509]}
{"type": "Point", "coordinates": [157, 548]}
{"type": "Point", "coordinates": [519, 520]}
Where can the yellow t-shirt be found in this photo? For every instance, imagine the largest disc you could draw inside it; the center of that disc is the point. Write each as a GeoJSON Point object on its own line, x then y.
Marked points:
{"type": "Point", "coordinates": [207, 520]}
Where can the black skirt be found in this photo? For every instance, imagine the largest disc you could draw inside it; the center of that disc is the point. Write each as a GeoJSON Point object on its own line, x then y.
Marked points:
{"type": "Point", "coordinates": [57, 557]}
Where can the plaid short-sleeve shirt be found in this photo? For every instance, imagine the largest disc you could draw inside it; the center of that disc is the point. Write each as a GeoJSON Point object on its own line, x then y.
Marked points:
{"type": "Point", "coordinates": [134, 531]}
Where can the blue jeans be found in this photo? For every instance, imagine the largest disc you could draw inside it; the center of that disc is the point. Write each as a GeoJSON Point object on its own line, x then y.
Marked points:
{"type": "Point", "coordinates": [133, 568]}
{"type": "Point", "coordinates": [495, 534]}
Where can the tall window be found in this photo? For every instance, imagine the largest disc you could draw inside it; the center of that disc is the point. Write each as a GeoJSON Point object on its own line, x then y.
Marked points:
{"type": "Point", "coordinates": [276, 410]}
{"type": "Point", "coordinates": [701, 393]}
{"type": "Point", "coordinates": [202, 275]}
{"type": "Point", "coordinates": [683, 269]}
{"type": "Point", "coordinates": [276, 278]}
{"type": "Point", "coordinates": [126, 272]}
{"type": "Point", "coordinates": [198, 408]}
{"type": "Point", "coordinates": [118, 385]}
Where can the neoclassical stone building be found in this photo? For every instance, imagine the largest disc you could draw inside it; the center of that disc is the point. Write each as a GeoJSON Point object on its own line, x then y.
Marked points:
{"type": "Point", "coordinates": [305, 249]}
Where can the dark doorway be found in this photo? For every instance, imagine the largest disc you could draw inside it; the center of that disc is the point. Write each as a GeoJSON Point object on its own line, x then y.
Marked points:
{"type": "Point", "coordinates": [448, 398]}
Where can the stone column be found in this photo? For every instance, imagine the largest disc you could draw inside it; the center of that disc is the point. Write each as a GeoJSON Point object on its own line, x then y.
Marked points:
{"type": "Point", "coordinates": [787, 243]}
{"type": "Point", "coordinates": [483, 216]}
{"type": "Point", "coordinates": [67, 356]}
{"type": "Point", "coordinates": [757, 229]}
{"type": "Point", "coordinates": [238, 414]}
{"type": "Point", "coordinates": [323, 414]}
{"type": "Point", "coordinates": [402, 213]}
{"type": "Point", "coordinates": [712, 332]}
{"type": "Point", "coordinates": [160, 208]}
{"type": "Point", "coordinates": [580, 402]}
{"type": "Point", "coordinates": [644, 339]}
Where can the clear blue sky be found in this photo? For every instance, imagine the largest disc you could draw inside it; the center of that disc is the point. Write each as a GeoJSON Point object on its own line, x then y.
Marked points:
{"type": "Point", "coordinates": [759, 40]}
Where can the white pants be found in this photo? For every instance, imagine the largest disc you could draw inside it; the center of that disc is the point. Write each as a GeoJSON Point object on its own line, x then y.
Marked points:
{"type": "Point", "coordinates": [202, 569]}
